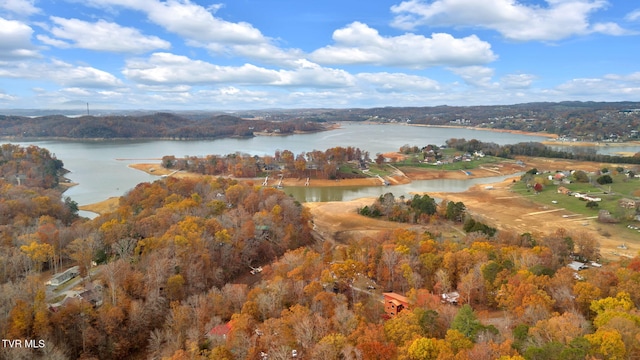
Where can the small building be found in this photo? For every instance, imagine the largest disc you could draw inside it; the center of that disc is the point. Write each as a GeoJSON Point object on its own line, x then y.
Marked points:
{"type": "Point", "coordinates": [627, 203]}
{"type": "Point", "coordinates": [451, 298]}
{"type": "Point", "coordinates": [64, 276]}
{"type": "Point", "coordinates": [394, 303]}
{"type": "Point", "coordinates": [559, 176]}
{"type": "Point", "coordinates": [92, 294]}
{"type": "Point", "coordinates": [586, 197]}
{"type": "Point", "coordinates": [577, 266]}
{"type": "Point", "coordinates": [563, 190]}
{"type": "Point", "coordinates": [220, 331]}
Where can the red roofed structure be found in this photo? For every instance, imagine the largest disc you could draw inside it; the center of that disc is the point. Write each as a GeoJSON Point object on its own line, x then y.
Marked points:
{"type": "Point", "coordinates": [221, 330]}
{"type": "Point", "coordinates": [394, 303]}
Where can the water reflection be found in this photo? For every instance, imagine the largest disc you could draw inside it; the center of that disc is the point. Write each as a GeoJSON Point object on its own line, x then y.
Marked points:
{"type": "Point", "coordinates": [346, 193]}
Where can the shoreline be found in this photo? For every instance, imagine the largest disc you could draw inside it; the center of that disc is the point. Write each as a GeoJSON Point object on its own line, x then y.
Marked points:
{"type": "Point", "coordinates": [102, 207]}
{"type": "Point", "coordinates": [519, 132]}
{"type": "Point", "coordinates": [405, 177]}
{"type": "Point", "coordinates": [591, 143]}
{"type": "Point", "coordinates": [332, 126]}
{"type": "Point", "coordinates": [408, 176]}
{"type": "Point", "coordinates": [510, 211]}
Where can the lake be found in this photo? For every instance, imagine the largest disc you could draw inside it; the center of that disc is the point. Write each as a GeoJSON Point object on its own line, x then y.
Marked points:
{"type": "Point", "coordinates": [100, 167]}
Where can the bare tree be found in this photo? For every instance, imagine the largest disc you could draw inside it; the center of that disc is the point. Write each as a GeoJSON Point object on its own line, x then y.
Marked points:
{"type": "Point", "coordinates": [390, 258]}
{"type": "Point", "coordinates": [111, 271]}
{"type": "Point", "coordinates": [83, 250]}
{"type": "Point", "coordinates": [124, 248]}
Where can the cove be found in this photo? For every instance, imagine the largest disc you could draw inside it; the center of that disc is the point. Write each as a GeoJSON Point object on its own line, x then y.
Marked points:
{"type": "Point", "coordinates": [101, 171]}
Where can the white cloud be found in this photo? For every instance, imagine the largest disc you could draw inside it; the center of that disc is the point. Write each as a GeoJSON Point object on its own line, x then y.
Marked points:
{"type": "Point", "coordinates": [517, 81]}
{"type": "Point", "coordinates": [15, 40]}
{"type": "Point", "coordinates": [101, 36]}
{"type": "Point", "coordinates": [164, 88]}
{"type": "Point", "coordinates": [633, 77]}
{"type": "Point", "coordinates": [237, 98]}
{"type": "Point", "coordinates": [265, 52]}
{"type": "Point", "coordinates": [584, 86]}
{"type": "Point", "coordinates": [166, 68]}
{"type": "Point", "coordinates": [610, 29]}
{"type": "Point", "coordinates": [76, 98]}
{"type": "Point", "coordinates": [475, 75]}
{"type": "Point", "coordinates": [611, 87]}
{"type": "Point", "coordinates": [61, 73]}
{"type": "Point", "coordinates": [6, 97]}
{"type": "Point", "coordinates": [198, 23]}
{"type": "Point", "coordinates": [307, 73]}
{"type": "Point", "coordinates": [357, 43]}
{"type": "Point", "coordinates": [19, 7]}
{"type": "Point", "coordinates": [82, 76]}
{"type": "Point", "coordinates": [398, 82]}
{"type": "Point", "coordinates": [633, 16]}
{"type": "Point", "coordinates": [170, 69]}
{"type": "Point", "coordinates": [513, 19]}
{"type": "Point", "coordinates": [368, 91]}
{"type": "Point", "coordinates": [74, 91]}
{"type": "Point", "coordinates": [201, 28]}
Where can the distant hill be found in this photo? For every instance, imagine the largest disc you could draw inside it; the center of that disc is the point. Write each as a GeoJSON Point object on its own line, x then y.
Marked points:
{"type": "Point", "coordinates": [584, 120]}
{"type": "Point", "coordinates": [153, 126]}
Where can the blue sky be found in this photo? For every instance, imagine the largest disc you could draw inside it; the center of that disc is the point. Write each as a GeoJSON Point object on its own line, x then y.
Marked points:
{"type": "Point", "coordinates": [259, 54]}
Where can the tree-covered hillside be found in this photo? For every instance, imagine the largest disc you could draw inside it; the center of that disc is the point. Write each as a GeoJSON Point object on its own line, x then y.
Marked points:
{"type": "Point", "coordinates": [213, 268]}
{"type": "Point", "coordinates": [155, 126]}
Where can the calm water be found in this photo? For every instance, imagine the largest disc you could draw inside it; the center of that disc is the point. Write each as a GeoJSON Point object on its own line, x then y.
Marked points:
{"type": "Point", "coordinates": [100, 168]}
{"type": "Point", "coordinates": [345, 193]}
{"type": "Point", "coordinates": [604, 150]}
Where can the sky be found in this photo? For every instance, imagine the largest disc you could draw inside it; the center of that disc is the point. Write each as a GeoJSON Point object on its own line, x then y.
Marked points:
{"type": "Point", "coordinates": [265, 54]}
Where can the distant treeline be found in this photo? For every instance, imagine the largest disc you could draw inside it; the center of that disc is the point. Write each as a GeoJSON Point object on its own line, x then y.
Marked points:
{"type": "Point", "coordinates": [159, 125]}
{"type": "Point", "coordinates": [537, 149]}
{"type": "Point", "coordinates": [590, 121]}
{"type": "Point", "coordinates": [585, 120]}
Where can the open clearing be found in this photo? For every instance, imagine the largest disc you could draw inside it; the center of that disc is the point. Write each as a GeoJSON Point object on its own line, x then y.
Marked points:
{"type": "Point", "coordinates": [499, 207]}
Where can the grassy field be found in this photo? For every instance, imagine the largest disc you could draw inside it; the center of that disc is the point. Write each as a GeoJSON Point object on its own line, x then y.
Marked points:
{"type": "Point", "coordinates": [382, 170]}
{"type": "Point", "coordinates": [611, 194]}
{"type": "Point", "coordinates": [374, 169]}
{"type": "Point", "coordinates": [459, 165]}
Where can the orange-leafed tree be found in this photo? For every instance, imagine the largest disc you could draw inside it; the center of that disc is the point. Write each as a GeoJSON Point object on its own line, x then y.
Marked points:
{"type": "Point", "coordinates": [372, 342]}
{"type": "Point", "coordinates": [525, 297]}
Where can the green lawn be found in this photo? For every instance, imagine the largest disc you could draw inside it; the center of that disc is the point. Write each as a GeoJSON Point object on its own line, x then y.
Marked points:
{"type": "Point", "coordinates": [460, 165]}
{"type": "Point", "coordinates": [350, 169]}
{"type": "Point", "coordinates": [382, 170]}
{"type": "Point", "coordinates": [620, 188]}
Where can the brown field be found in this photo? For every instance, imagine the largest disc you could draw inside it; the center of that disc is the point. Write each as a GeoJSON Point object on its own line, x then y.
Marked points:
{"type": "Point", "coordinates": [591, 143]}
{"type": "Point", "coordinates": [506, 210]}
{"type": "Point", "coordinates": [498, 207]}
{"type": "Point", "coordinates": [102, 207]}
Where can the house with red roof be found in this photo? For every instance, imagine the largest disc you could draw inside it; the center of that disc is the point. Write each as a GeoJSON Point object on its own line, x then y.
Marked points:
{"type": "Point", "coordinates": [394, 303]}
{"type": "Point", "coordinates": [220, 331]}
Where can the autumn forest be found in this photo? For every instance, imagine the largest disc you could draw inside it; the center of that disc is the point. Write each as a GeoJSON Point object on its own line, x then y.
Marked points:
{"type": "Point", "coordinates": [223, 268]}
